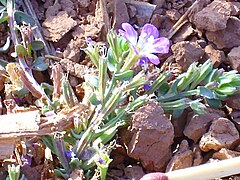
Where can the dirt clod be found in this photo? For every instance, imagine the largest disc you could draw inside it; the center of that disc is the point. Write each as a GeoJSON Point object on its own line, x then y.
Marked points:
{"type": "Point", "coordinates": [55, 27]}
{"type": "Point", "coordinates": [215, 55]}
{"type": "Point", "coordinates": [198, 124]}
{"type": "Point", "coordinates": [186, 53]}
{"type": "Point", "coordinates": [213, 17]}
{"type": "Point", "coordinates": [225, 154]}
{"type": "Point", "coordinates": [222, 134]}
{"type": "Point", "coordinates": [229, 37]}
{"type": "Point", "coordinates": [233, 57]}
{"type": "Point", "coordinates": [182, 159]}
{"type": "Point", "coordinates": [151, 135]}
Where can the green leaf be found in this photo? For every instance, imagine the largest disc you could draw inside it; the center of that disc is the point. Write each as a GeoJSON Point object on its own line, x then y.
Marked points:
{"type": "Point", "coordinates": [37, 45]}
{"type": "Point", "coordinates": [94, 100]}
{"type": "Point", "coordinates": [3, 17]}
{"type": "Point", "coordinates": [3, 63]}
{"type": "Point", "coordinates": [93, 81]}
{"type": "Point", "coordinates": [214, 103]}
{"type": "Point", "coordinates": [48, 141]}
{"type": "Point", "coordinates": [23, 18]}
{"type": "Point", "coordinates": [39, 64]}
{"type": "Point", "coordinates": [111, 62]}
{"type": "Point", "coordinates": [205, 92]}
{"type": "Point", "coordinates": [3, 2]}
{"type": "Point", "coordinates": [227, 90]}
{"type": "Point", "coordinates": [198, 107]}
{"type": "Point", "coordinates": [61, 173]}
{"type": "Point", "coordinates": [47, 88]}
{"type": "Point", "coordinates": [20, 50]}
{"type": "Point", "coordinates": [2, 8]}
{"type": "Point", "coordinates": [126, 75]}
{"type": "Point", "coordinates": [74, 163]}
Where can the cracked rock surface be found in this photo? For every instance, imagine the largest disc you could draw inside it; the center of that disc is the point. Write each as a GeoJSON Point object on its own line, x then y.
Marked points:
{"type": "Point", "coordinates": [222, 134]}
{"type": "Point", "coordinates": [149, 137]}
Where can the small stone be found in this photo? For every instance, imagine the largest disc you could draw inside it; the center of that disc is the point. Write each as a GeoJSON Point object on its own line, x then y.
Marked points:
{"type": "Point", "coordinates": [197, 156]}
{"type": "Point", "coordinates": [214, 17]}
{"type": "Point", "coordinates": [173, 14]}
{"type": "Point", "coordinates": [121, 13]}
{"type": "Point", "coordinates": [234, 58]}
{"type": "Point", "coordinates": [132, 11]}
{"type": "Point", "coordinates": [183, 33]}
{"type": "Point", "coordinates": [141, 20]}
{"type": "Point", "coordinates": [233, 101]}
{"type": "Point", "coordinates": [182, 159]}
{"type": "Point", "coordinates": [222, 134]}
{"type": "Point", "coordinates": [197, 124]}
{"type": "Point", "coordinates": [156, 20]}
{"type": "Point", "coordinates": [216, 56]}
{"type": "Point", "coordinates": [186, 53]}
{"type": "Point", "coordinates": [149, 137]}
{"type": "Point", "coordinates": [134, 172]}
{"type": "Point", "coordinates": [68, 6]}
{"type": "Point", "coordinates": [84, 3]}
{"type": "Point", "coordinates": [229, 37]}
{"type": "Point", "coordinates": [159, 3]}
{"type": "Point", "coordinates": [225, 154]}
{"type": "Point", "coordinates": [55, 27]}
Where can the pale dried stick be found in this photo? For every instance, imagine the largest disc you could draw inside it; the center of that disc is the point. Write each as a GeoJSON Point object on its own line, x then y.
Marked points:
{"type": "Point", "coordinates": [191, 10]}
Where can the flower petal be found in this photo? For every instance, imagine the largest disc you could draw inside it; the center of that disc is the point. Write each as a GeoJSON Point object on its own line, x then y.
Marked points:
{"type": "Point", "coordinates": [153, 58]}
{"type": "Point", "coordinates": [129, 33]}
{"type": "Point", "coordinates": [160, 45]}
{"type": "Point", "coordinates": [150, 30]}
{"type": "Point", "coordinates": [143, 60]}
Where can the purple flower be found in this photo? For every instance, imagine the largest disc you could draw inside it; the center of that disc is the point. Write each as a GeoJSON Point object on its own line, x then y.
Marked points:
{"type": "Point", "coordinates": [70, 154]}
{"type": "Point", "coordinates": [26, 160]}
{"type": "Point", "coordinates": [146, 87]}
{"type": "Point", "coordinates": [148, 43]}
{"type": "Point", "coordinates": [100, 160]}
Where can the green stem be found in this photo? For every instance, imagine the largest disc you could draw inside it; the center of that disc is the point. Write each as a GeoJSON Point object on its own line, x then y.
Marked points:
{"type": "Point", "coordinates": [173, 96]}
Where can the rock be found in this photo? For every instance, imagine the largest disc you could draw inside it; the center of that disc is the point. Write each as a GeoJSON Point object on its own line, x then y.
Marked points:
{"type": "Point", "coordinates": [222, 134]}
{"type": "Point", "coordinates": [141, 20]}
{"type": "Point", "coordinates": [179, 123]}
{"type": "Point", "coordinates": [132, 11]}
{"type": "Point", "coordinates": [72, 50]}
{"type": "Point", "coordinates": [68, 6]}
{"type": "Point", "coordinates": [197, 156]}
{"type": "Point", "coordinates": [173, 14]}
{"type": "Point", "coordinates": [75, 69]}
{"type": "Point", "coordinates": [213, 17]}
{"type": "Point", "coordinates": [53, 10]}
{"type": "Point", "coordinates": [159, 3]}
{"type": "Point", "coordinates": [197, 124]}
{"type": "Point", "coordinates": [233, 57]}
{"type": "Point", "coordinates": [55, 27]}
{"type": "Point", "coordinates": [233, 101]}
{"type": "Point", "coordinates": [84, 3]}
{"type": "Point", "coordinates": [230, 37]}
{"type": "Point", "coordinates": [134, 172]}
{"type": "Point", "coordinates": [215, 55]}
{"type": "Point", "coordinates": [149, 137]}
{"type": "Point", "coordinates": [235, 115]}
{"type": "Point", "coordinates": [120, 13]}
{"type": "Point", "coordinates": [183, 33]}
{"type": "Point", "coordinates": [186, 53]}
{"type": "Point", "coordinates": [225, 154]}
{"type": "Point", "coordinates": [156, 20]}
{"type": "Point", "coordinates": [182, 159]}
{"type": "Point", "coordinates": [235, 8]}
